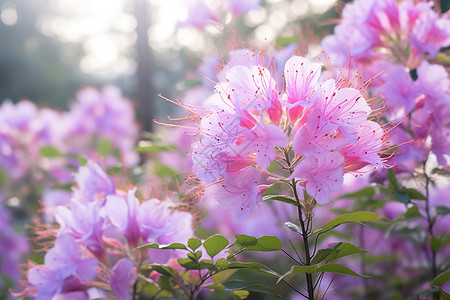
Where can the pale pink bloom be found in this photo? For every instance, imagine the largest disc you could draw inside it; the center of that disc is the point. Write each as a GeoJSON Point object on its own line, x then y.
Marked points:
{"type": "Point", "coordinates": [345, 108]}
{"type": "Point", "coordinates": [301, 77]}
{"type": "Point", "coordinates": [240, 192]}
{"type": "Point", "coordinates": [322, 173]}
{"type": "Point", "coordinates": [366, 150]}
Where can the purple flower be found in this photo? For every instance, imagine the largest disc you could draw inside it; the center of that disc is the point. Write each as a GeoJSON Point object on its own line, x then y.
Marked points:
{"type": "Point", "coordinates": [101, 115]}
{"type": "Point", "coordinates": [430, 33]}
{"type": "Point", "coordinates": [93, 184]}
{"type": "Point", "coordinates": [84, 223]}
{"type": "Point", "coordinates": [123, 214]}
{"type": "Point", "coordinates": [160, 223]}
{"type": "Point", "coordinates": [123, 277]}
{"type": "Point", "coordinates": [64, 270]}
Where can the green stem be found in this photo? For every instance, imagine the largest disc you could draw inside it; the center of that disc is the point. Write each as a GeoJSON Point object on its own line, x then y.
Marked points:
{"type": "Point", "coordinates": [305, 236]}
{"type": "Point", "coordinates": [431, 221]}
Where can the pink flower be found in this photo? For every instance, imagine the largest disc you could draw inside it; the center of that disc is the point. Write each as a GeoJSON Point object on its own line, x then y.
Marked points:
{"type": "Point", "coordinates": [322, 173]}
{"type": "Point", "coordinates": [301, 77]}
{"type": "Point", "coordinates": [344, 108]}
{"type": "Point", "coordinates": [241, 193]}
{"type": "Point", "coordinates": [366, 150]}
{"type": "Point", "coordinates": [261, 140]}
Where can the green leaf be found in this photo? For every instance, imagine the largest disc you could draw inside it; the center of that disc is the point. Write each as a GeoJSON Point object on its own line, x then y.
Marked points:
{"type": "Point", "coordinates": [298, 269]}
{"type": "Point", "coordinates": [245, 240]}
{"type": "Point", "coordinates": [354, 217]}
{"type": "Point", "coordinates": [49, 151]}
{"type": "Point", "coordinates": [207, 264]}
{"type": "Point", "coordinates": [222, 263]}
{"type": "Point", "coordinates": [222, 275]}
{"type": "Point", "coordinates": [445, 295]}
{"type": "Point", "coordinates": [339, 250]}
{"type": "Point", "coordinates": [321, 255]}
{"type": "Point", "coordinates": [3, 177]}
{"type": "Point", "coordinates": [280, 198]}
{"type": "Point", "coordinates": [391, 177]}
{"type": "Point", "coordinates": [346, 249]}
{"type": "Point", "coordinates": [241, 294]}
{"type": "Point", "coordinates": [412, 213]}
{"type": "Point", "coordinates": [147, 147]}
{"type": "Point", "coordinates": [83, 161]}
{"type": "Point", "coordinates": [188, 264]}
{"type": "Point", "coordinates": [214, 244]}
{"type": "Point", "coordinates": [249, 286]}
{"type": "Point", "coordinates": [336, 268]}
{"type": "Point", "coordinates": [165, 171]}
{"type": "Point", "coordinates": [164, 270]}
{"type": "Point", "coordinates": [285, 41]}
{"type": "Point", "coordinates": [441, 278]}
{"type": "Point", "coordinates": [104, 147]}
{"type": "Point", "coordinates": [437, 243]}
{"type": "Point", "coordinates": [246, 265]}
{"type": "Point", "coordinates": [266, 243]}
{"type": "Point", "coordinates": [365, 192]}
{"type": "Point", "coordinates": [293, 227]}
{"type": "Point", "coordinates": [414, 194]}
{"type": "Point", "coordinates": [170, 246]}
{"type": "Point", "coordinates": [403, 198]}
{"type": "Point", "coordinates": [165, 284]}
{"type": "Point", "coordinates": [194, 257]}
{"type": "Point", "coordinates": [254, 266]}
{"type": "Point", "coordinates": [443, 58]}
{"type": "Point", "coordinates": [194, 243]}
{"type": "Point", "coordinates": [217, 287]}
{"type": "Point", "coordinates": [442, 210]}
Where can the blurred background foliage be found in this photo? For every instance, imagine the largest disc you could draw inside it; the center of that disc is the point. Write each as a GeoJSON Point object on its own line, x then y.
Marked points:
{"type": "Point", "coordinates": [50, 48]}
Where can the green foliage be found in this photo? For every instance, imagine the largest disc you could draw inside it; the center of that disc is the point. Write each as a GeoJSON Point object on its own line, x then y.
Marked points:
{"type": "Point", "coordinates": [194, 243]}
{"type": "Point", "coordinates": [354, 217]}
{"type": "Point", "coordinates": [264, 244]}
{"type": "Point", "coordinates": [104, 147]}
{"type": "Point", "coordinates": [284, 199]}
{"type": "Point", "coordinates": [442, 210]}
{"type": "Point", "coordinates": [175, 282]}
{"type": "Point", "coordinates": [293, 227]}
{"type": "Point", "coordinates": [331, 268]}
{"type": "Point", "coordinates": [214, 244]}
{"type": "Point", "coordinates": [339, 250]}
{"type": "Point", "coordinates": [365, 192]}
{"type": "Point", "coordinates": [151, 147]}
{"type": "Point", "coordinates": [50, 152]}
{"type": "Point", "coordinates": [170, 246]}
{"type": "Point", "coordinates": [441, 278]}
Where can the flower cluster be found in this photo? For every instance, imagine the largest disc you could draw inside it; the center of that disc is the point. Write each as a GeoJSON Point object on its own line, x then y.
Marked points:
{"type": "Point", "coordinates": [249, 123]}
{"type": "Point", "coordinates": [94, 251]}
{"type": "Point", "coordinates": [94, 117]}
{"type": "Point", "coordinates": [388, 30]}
{"type": "Point", "coordinates": [400, 42]}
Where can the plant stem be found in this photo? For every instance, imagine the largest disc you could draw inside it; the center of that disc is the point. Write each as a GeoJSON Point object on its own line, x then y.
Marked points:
{"type": "Point", "coordinates": [305, 236]}
{"type": "Point", "coordinates": [431, 221]}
